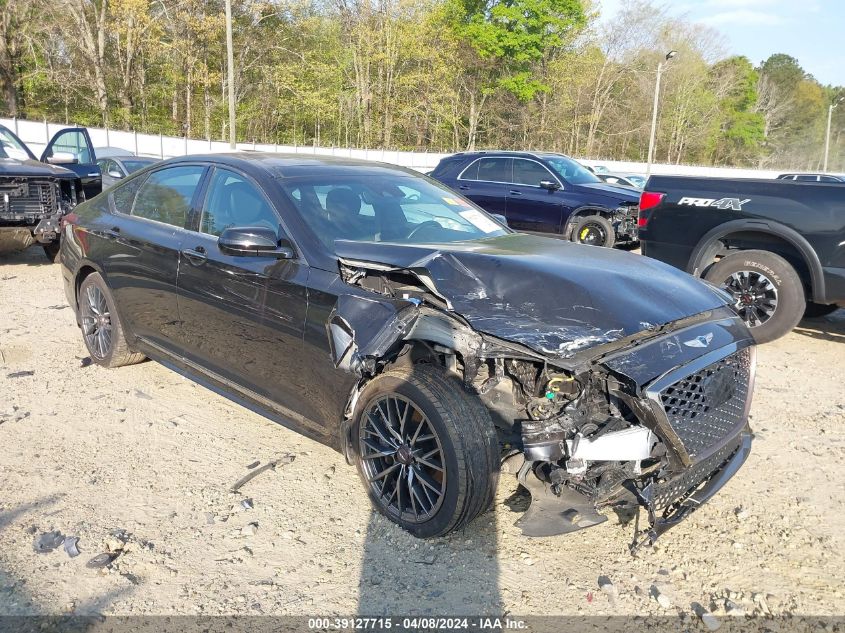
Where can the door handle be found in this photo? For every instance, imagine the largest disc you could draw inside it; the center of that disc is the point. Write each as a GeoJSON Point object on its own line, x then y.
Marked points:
{"type": "Point", "coordinates": [113, 232]}
{"type": "Point", "coordinates": [196, 255]}
{"type": "Point", "coordinates": [514, 192]}
{"type": "Point", "coordinates": [463, 187]}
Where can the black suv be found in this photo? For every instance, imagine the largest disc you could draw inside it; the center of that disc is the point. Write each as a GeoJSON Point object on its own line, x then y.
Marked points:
{"type": "Point", "coordinates": [544, 193]}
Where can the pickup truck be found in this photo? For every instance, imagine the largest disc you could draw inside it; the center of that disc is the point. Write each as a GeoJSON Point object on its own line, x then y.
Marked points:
{"type": "Point", "coordinates": [777, 246]}
{"type": "Point", "coordinates": [36, 194]}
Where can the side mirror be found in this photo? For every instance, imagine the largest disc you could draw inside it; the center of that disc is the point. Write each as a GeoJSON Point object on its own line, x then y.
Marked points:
{"type": "Point", "coordinates": [550, 185]}
{"type": "Point", "coordinates": [254, 241]}
{"type": "Point", "coordinates": [114, 173]}
{"type": "Point", "coordinates": [62, 158]}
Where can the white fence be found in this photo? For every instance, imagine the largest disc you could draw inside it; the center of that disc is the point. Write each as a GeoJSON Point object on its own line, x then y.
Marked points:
{"type": "Point", "coordinates": [36, 134]}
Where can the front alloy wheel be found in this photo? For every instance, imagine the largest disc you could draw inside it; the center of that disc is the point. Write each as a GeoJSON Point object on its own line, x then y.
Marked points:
{"type": "Point", "coordinates": [402, 459]}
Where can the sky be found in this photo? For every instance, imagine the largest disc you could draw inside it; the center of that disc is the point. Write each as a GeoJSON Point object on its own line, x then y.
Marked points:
{"type": "Point", "coordinates": [811, 31]}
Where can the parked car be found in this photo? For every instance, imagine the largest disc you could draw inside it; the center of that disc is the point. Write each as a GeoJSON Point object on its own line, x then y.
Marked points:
{"type": "Point", "coordinates": [619, 181]}
{"type": "Point", "coordinates": [812, 177]}
{"type": "Point", "coordinates": [374, 309]}
{"type": "Point", "coordinates": [36, 194]}
{"type": "Point", "coordinates": [110, 152]}
{"type": "Point", "coordinates": [777, 246]}
{"type": "Point", "coordinates": [118, 167]}
{"type": "Point", "coordinates": [549, 194]}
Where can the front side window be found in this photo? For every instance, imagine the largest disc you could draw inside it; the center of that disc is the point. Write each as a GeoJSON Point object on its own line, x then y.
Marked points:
{"type": "Point", "coordinates": [528, 172]}
{"type": "Point", "coordinates": [234, 201]}
{"type": "Point", "coordinates": [166, 194]}
{"type": "Point", "coordinates": [571, 171]}
{"type": "Point", "coordinates": [393, 208]}
{"type": "Point", "coordinates": [71, 142]}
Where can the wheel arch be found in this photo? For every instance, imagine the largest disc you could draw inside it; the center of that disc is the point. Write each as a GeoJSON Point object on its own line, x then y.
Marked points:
{"type": "Point", "coordinates": [580, 212]}
{"type": "Point", "coordinates": [83, 270]}
{"type": "Point", "coordinates": [762, 235]}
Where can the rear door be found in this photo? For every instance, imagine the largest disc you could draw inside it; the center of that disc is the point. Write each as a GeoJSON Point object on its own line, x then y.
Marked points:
{"type": "Point", "coordinates": [531, 207]}
{"type": "Point", "coordinates": [243, 316]}
{"type": "Point", "coordinates": [486, 182]}
{"type": "Point", "coordinates": [151, 213]}
{"type": "Point", "coordinates": [72, 149]}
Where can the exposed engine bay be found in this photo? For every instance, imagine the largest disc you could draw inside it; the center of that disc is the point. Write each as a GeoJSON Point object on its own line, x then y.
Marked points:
{"type": "Point", "coordinates": [655, 420]}
{"type": "Point", "coordinates": [31, 209]}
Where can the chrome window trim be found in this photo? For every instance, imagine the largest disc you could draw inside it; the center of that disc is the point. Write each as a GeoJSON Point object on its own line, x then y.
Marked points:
{"type": "Point", "coordinates": [502, 182]}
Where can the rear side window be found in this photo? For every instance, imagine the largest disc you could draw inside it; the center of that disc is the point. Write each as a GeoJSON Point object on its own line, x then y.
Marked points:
{"type": "Point", "coordinates": [497, 169]}
{"type": "Point", "coordinates": [123, 195]}
{"type": "Point", "coordinates": [166, 194]}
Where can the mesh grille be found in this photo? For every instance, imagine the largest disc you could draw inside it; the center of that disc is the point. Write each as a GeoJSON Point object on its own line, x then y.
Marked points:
{"type": "Point", "coordinates": [675, 489]}
{"type": "Point", "coordinates": [706, 408]}
{"type": "Point", "coordinates": [28, 200]}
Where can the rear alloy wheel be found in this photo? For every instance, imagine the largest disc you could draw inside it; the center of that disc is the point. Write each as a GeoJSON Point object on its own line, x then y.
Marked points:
{"type": "Point", "coordinates": [102, 329]}
{"type": "Point", "coordinates": [767, 292]}
{"type": "Point", "coordinates": [426, 450]}
{"type": "Point", "coordinates": [594, 230]}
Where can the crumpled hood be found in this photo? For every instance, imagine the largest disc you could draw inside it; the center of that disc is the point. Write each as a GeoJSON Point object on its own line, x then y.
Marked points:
{"type": "Point", "coordinates": [30, 168]}
{"type": "Point", "coordinates": [553, 296]}
{"type": "Point", "coordinates": [613, 191]}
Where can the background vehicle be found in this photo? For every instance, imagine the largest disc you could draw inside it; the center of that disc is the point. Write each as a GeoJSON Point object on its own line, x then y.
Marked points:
{"type": "Point", "coordinates": [812, 177]}
{"type": "Point", "coordinates": [622, 181]}
{"type": "Point", "coordinates": [543, 193]}
{"type": "Point", "coordinates": [118, 167]}
{"type": "Point", "coordinates": [370, 308]}
{"type": "Point", "coordinates": [35, 195]}
{"type": "Point", "coordinates": [777, 246]}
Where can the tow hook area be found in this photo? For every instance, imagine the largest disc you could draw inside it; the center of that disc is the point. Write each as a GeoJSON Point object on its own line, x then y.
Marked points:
{"type": "Point", "coordinates": [46, 230]}
{"type": "Point", "coordinates": [552, 514]}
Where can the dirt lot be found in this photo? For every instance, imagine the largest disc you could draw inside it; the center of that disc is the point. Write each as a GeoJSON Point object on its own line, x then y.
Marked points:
{"type": "Point", "coordinates": [146, 452]}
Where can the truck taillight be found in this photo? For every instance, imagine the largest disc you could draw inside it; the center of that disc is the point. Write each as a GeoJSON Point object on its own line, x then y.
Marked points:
{"type": "Point", "coordinates": [648, 200]}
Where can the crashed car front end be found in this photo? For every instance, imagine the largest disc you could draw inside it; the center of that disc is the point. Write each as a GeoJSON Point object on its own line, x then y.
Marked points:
{"type": "Point", "coordinates": [31, 208]}
{"type": "Point", "coordinates": [590, 419]}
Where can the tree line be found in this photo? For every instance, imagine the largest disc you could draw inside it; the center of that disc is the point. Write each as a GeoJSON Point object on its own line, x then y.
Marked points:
{"type": "Point", "coordinates": [438, 75]}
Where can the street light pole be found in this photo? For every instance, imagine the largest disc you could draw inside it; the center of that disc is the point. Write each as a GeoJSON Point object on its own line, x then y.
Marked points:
{"type": "Point", "coordinates": [669, 56]}
{"type": "Point", "coordinates": [827, 134]}
{"type": "Point", "coordinates": [231, 72]}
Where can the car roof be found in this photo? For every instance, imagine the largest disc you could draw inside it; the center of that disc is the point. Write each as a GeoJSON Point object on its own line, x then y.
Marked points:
{"type": "Point", "coordinates": [297, 165]}
{"type": "Point", "coordinates": [143, 159]}
{"type": "Point", "coordinates": [112, 152]}
{"type": "Point", "coordinates": [510, 153]}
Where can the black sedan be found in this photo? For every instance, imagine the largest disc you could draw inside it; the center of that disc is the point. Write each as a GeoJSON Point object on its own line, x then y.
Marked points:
{"type": "Point", "coordinates": [378, 311]}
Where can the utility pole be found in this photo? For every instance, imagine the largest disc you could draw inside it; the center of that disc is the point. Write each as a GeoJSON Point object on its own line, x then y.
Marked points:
{"type": "Point", "coordinates": [230, 54]}
{"type": "Point", "coordinates": [830, 109]}
{"type": "Point", "coordinates": [669, 56]}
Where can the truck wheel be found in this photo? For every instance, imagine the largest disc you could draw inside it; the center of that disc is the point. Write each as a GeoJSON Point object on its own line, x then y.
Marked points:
{"type": "Point", "coordinates": [102, 329]}
{"type": "Point", "coordinates": [767, 291]}
{"type": "Point", "coordinates": [51, 250]}
{"type": "Point", "coordinates": [427, 450]}
{"type": "Point", "coordinates": [816, 310]}
{"type": "Point", "coordinates": [594, 230]}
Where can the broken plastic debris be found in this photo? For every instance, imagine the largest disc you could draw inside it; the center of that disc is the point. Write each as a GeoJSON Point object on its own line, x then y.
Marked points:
{"type": "Point", "coordinates": [246, 504]}
{"type": "Point", "coordinates": [49, 541]}
{"type": "Point", "coordinates": [72, 546]}
{"type": "Point", "coordinates": [21, 374]}
{"type": "Point", "coordinates": [101, 560]}
{"type": "Point", "coordinates": [282, 461]}
{"type": "Point", "coordinates": [85, 362]}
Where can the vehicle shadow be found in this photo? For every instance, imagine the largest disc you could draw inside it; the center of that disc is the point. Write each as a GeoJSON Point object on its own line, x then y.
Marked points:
{"type": "Point", "coordinates": [402, 576]}
{"type": "Point", "coordinates": [828, 328]}
{"type": "Point", "coordinates": [32, 256]}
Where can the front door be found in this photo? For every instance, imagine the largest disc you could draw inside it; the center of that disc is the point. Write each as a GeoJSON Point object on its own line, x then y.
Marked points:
{"type": "Point", "coordinates": [147, 233]}
{"type": "Point", "coordinates": [532, 207]}
{"type": "Point", "coordinates": [72, 149]}
{"type": "Point", "coordinates": [243, 316]}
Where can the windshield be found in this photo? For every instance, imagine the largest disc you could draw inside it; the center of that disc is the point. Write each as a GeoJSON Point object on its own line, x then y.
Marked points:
{"type": "Point", "coordinates": [134, 165]}
{"type": "Point", "coordinates": [12, 147]}
{"type": "Point", "coordinates": [391, 208]}
{"type": "Point", "coordinates": [571, 171]}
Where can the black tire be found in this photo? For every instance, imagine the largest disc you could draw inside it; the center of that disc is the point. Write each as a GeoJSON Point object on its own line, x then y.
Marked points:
{"type": "Point", "coordinates": [52, 251]}
{"type": "Point", "coordinates": [594, 230]}
{"type": "Point", "coordinates": [465, 436]}
{"type": "Point", "coordinates": [102, 329]}
{"type": "Point", "coordinates": [773, 301]}
{"type": "Point", "coordinates": [817, 310]}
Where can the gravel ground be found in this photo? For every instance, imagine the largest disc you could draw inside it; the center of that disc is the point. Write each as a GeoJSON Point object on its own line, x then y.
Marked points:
{"type": "Point", "coordinates": [138, 462]}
